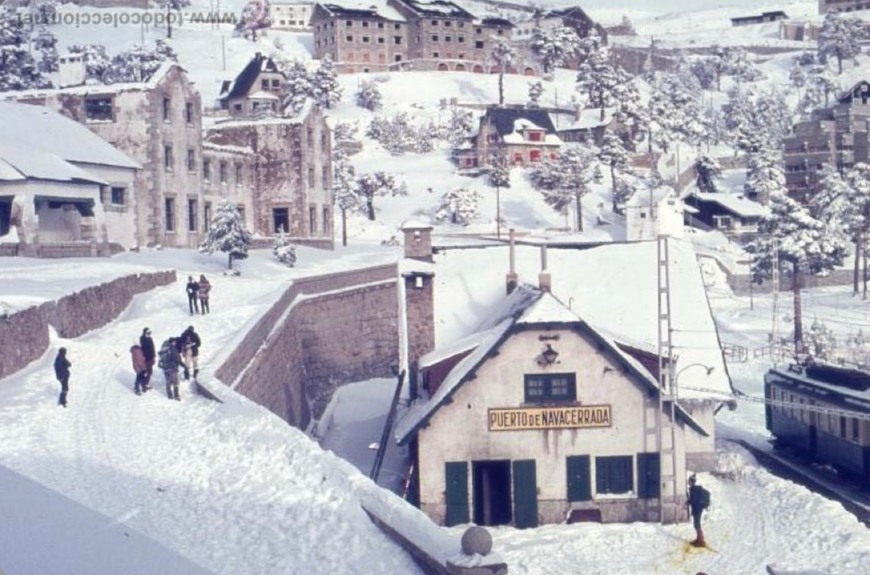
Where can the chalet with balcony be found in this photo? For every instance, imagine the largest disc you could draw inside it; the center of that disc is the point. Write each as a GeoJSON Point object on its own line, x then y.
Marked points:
{"type": "Point", "coordinates": [523, 135]}
{"type": "Point", "coordinates": [259, 87]}
{"type": "Point", "coordinates": [732, 214]}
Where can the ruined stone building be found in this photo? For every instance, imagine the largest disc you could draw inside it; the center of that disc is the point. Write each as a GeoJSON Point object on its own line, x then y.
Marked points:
{"type": "Point", "coordinates": [836, 136]}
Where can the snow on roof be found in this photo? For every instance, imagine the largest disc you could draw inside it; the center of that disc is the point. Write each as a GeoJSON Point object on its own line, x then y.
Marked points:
{"type": "Point", "coordinates": [24, 127]}
{"type": "Point", "coordinates": [372, 7]}
{"type": "Point", "coordinates": [227, 148]}
{"type": "Point", "coordinates": [548, 309]}
{"type": "Point", "coordinates": [8, 172]}
{"type": "Point", "coordinates": [40, 165]}
{"type": "Point", "coordinates": [736, 203]}
{"type": "Point", "coordinates": [522, 124]}
{"type": "Point", "coordinates": [645, 199]}
{"type": "Point", "coordinates": [861, 397]}
{"type": "Point", "coordinates": [413, 224]}
{"type": "Point", "coordinates": [592, 118]}
{"type": "Point", "coordinates": [437, 8]}
{"type": "Point", "coordinates": [96, 88]}
{"type": "Point", "coordinates": [262, 95]}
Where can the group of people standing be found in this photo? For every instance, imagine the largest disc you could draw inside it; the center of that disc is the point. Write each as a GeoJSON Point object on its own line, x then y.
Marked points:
{"type": "Point", "coordinates": [197, 294]}
{"type": "Point", "coordinates": [175, 352]}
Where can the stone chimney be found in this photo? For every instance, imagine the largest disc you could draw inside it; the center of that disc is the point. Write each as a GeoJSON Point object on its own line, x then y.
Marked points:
{"type": "Point", "coordinates": [72, 70]}
{"type": "Point", "coordinates": [545, 283]}
{"type": "Point", "coordinates": [418, 241]}
{"type": "Point", "coordinates": [511, 277]}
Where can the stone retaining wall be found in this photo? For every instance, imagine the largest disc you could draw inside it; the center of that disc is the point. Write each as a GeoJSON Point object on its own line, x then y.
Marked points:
{"type": "Point", "coordinates": [322, 332]}
{"type": "Point", "coordinates": [740, 284]}
{"type": "Point", "coordinates": [24, 334]}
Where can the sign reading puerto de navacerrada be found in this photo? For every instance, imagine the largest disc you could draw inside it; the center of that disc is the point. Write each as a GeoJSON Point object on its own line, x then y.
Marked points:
{"type": "Point", "coordinates": [574, 417]}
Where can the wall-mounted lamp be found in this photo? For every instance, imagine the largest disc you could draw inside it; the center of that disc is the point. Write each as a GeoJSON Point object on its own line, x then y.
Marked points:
{"type": "Point", "coordinates": [548, 356]}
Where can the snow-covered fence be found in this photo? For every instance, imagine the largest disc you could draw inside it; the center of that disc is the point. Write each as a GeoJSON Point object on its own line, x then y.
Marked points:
{"type": "Point", "coordinates": [24, 334]}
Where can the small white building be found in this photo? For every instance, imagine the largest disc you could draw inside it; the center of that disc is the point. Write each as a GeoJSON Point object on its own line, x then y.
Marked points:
{"type": "Point", "coordinates": [62, 184]}
{"type": "Point", "coordinates": [653, 213]}
{"type": "Point", "coordinates": [290, 14]}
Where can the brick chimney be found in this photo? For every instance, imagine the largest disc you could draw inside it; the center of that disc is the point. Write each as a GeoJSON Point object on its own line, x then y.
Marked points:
{"type": "Point", "coordinates": [511, 277]}
{"type": "Point", "coordinates": [418, 241]}
{"type": "Point", "coordinates": [419, 297]}
{"type": "Point", "coordinates": [545, 283]}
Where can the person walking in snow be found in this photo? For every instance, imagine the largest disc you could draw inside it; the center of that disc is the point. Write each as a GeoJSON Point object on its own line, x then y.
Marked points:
{"type": "Point", "coordinates": [61, 371]}
{"type": "Point", "coordinates": [147, 345]}
{"type": "Point", "coordinates": [190, 343]}
{"type": "Point", "coordinates": [698, 501]}
{"type": "Point", "coordinates": [141, 369]}
{"type": "Point", "coordinates": [204, 289]}
{"type": "Point", "coordinates": [192, 290]}
{"type": "Point", "coordinates": [169, 362]}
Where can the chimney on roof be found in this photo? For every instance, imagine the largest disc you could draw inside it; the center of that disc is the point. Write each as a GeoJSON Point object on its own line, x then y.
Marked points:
{"type": "Point", "coordinates": [578, 111]}
{"type": "Point", "coordinates": [71, 68]}
{"type": "Point", "coordinates": [545, 283]}
{"type": "Point", "coordinates": [511, 278]}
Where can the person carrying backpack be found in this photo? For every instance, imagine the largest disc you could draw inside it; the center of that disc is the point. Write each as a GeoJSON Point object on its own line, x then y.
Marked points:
{"type": "Point", "coordinates": [141, 368]}
{"type": "Point", "coordinates": [698, 501]}
{"type": "Point", "coordinates": [169, 360]}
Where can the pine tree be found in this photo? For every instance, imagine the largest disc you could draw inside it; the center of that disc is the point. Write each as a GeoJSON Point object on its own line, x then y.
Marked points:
{"type": "Point", "coordinates": [536, 90]}
{"type": "Point", "coordinates": [499, 177]}
{"type": "Point", "coordinates": [554, 46]}
{"type": "Point", "coordinates": [299, 86]}
{"type": "Point", "coordinates": [789, 234]}
{"type": "Point", "coordinates": [459, 206]}
{"type": "Point", "coordinates": [139, 63]}
{"type": "Point", "coordinates": [18, 69]}
{"type": "Point", "coordinates": [572, 175]}
{"type": "Point", "coordinates": [707, 171]}
{"type": "Point", "coordinates": [284, 250]}
{"type": "Point", "coordinates": [503, 56]}
{"type": "Point", "coordinates": [844, 202]}
{"type": "Point", "coordinates": [369, 96]}
{"type": "Point", "coordinates": [45, 43]}
{"type": "Point", "coordinates": [602, 80]}
{"type": "Point", "coordinates": [764, 174]}
{"type": "Point", "coordinates": [379, 183]}
{"type": "Point", "coordinates": [613, 155]}
{"type": "Point", "coordinates": [325, 87]}
{"type": "Point", "coordinates": [841, 37]}
{"type": "Point", "coordinates": [227, 234]}
{"type": "Point", "coordinates": [344, 191]}
{"type": "Point", "coordinates": [171, 5]}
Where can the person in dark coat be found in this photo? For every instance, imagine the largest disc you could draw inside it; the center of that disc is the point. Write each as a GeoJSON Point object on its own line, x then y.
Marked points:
{"type": "Point", "coordinates": [192, 291]}
{"type": "Point", "coordinates": [696, 508]}
{"type": "Point", "coordinates": [140, 368]}
{"type": "Point", "coordinates": [147, 345]}
{"type": "Point", "coordinates": [190, 343]}
{"type": "Point", "coordinates": [170, 360]}
{"type": "Point", "coordinates": [204, 290]}
{"type": "Point", "coordinates": [61, 371]}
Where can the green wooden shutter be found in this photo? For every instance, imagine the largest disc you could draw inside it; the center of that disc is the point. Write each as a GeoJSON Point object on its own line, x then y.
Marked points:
{"type": "Point", "coordinates": [456, 496]}
{"type": "Point", "coordinates": [579, 484]}
{"type": "Point", "coordinates": [648, 475]}
{"type": "Point", "coordinates": [525, 494]}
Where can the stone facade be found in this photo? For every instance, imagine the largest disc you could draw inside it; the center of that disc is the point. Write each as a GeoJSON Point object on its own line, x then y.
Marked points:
{"type": "Point", "coordinates": [292, 185]}
{"type": "Point", "coordinates": [228, 173]}
{"type": "Point", "coordinates": [359, 40]}
{"type": "Point", "coordinates": [24, 335]}
{"type": "Point", "coordinates": [295, 356]}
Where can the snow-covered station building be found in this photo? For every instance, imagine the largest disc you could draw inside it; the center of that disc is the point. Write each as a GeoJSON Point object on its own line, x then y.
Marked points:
{"type": "Point", "coordinates": [555, 407]}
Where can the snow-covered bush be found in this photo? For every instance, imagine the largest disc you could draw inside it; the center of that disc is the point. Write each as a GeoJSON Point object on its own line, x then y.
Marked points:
{"type": "Point", "coordinates": [369, 96]}
{"type": "Point", "coordinates": [399, 135]}
{"type": "Point", "coordinates": [458, 206]}
{"type": "Point", "coordinates": [284, 250]}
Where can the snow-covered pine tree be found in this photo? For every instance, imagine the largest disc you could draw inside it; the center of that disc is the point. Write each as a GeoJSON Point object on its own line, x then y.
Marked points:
{"type": "Point", "coordinates": [499, 169]}
{"type": "Point", "coordinates": [97, 62]}
{"type": "Point", "coordinates": [599, 79]}
{"type": "Point", "coordinates": [822, 342]}
{"type": "Point", "coordinates": [536, 90]}
{"type": "Point", "coordinates": [369, 96]}
{"type": "Point", "coordinates": [576, 169]}
{"type": "Point", "coordinates": [299, 86]}
{"type": "Point", "coordinates": [325, 87]}
{"type": "Point", "coordinates": [503, 56]}
{"type": "Point", "coordinates": [45, 43]}
{"type": "Point", "coordinates": [613, 154]}
{"type": "Point", "coordinates": [789, 234]}
{"type": "Point", "coordinates": [743, 70]}
{"type": "Point", "coordinates": [554, 46]}
{"type": "Point", "coordinates": [227, 234]}
{"type": "Point", "coordinates": [841, 37]}
{"type": "Point", "coordinates": [18, 69]}
{"type": "Point", "coordinates": [344, 189]}
{"type": "Point", "coordinates": [44, 12]}
{"type": "Point", "coordinates": [844, 202]}
{"type": "Point", "coordinates": [139, 63]}
{"type": "Point", "coordinates": [461, 125]}
{"type": "Point", "coordinates": [458, 206]}
{"type": "Point", "coordinates": [375, 184]}
{"type": "Point", "coordinates": [284, 250]}
{"type": "Point", "coordinates": [764, 174]}
{"type": "Point", "coordinates": [707, 172]}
